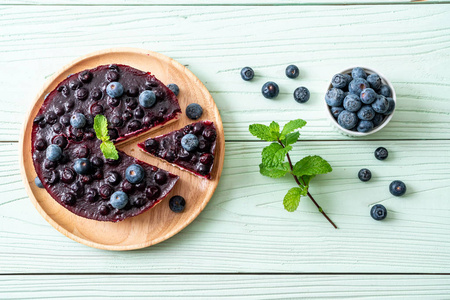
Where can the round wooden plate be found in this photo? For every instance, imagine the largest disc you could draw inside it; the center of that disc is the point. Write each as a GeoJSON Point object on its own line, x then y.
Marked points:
{"type": "Point", "coordinates": [159, 223]}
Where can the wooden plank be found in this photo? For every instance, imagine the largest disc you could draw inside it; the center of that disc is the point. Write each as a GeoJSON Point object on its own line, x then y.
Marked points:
{"type": "Point", "coordinates": [229, 286]}
{"type": "Point", "coordinates": [408, 43]}
{"type": "Point", "coordinates": [244, 228]}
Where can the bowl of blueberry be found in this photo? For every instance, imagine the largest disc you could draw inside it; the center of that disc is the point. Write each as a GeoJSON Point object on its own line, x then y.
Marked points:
{"type": "Point", "coordinates": [360, 101]}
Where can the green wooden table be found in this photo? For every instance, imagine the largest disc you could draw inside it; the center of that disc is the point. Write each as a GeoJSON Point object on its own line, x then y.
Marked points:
{"type": "Point", "coordinates": [245, 245]}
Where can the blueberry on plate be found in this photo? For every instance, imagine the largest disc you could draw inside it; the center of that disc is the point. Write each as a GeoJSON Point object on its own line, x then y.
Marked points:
{"type": "Point", "coordinates": [339, 81]}
{"type": "Point", "coordinates": [359, 73]}
{"type": "Point", "coordinates": [301, 94]}
{"type": "Point", "coordinates": [147, 99]}
{"type": "Point", "coordinates": [78, 120]}
{"type": "Point", "coordinates": [365, 126]}
{"type": "Point", "coordinates": [378, 212]}
{"type": "Point", "coordinates": [177, 204]}
{"type": "Point", "coordinates": [189, 142]}
{"type": "Point", "coordinates": [53, 152]}
{"type": "Point", "coordinates": [247, 73]}
{"type": "Point", "coordinates": [292, 71]}
{"type": "Point", "coordinates": [336, 110]}
{"type": "Point", "coordinates": [134, 173]}
{"type": "Point", "coordinates": [334, 97]}
{"type": "Point", "coordinates": [347, 119]}
{"type": "Point", "coordinates": [381, 153]}
{"type": "Point", "coordinates": [366, 113]}
{"type": "Point", "coordinates": [391, 106]}
{"type": "Point", "coordinates": [174, 88]}
{"type": "Point", "coordinates": [270, 90]}
{"type": "Point", "coordinates": [377, 119]}
{"type": "Point", "coordinates": [114, 89]}
{"type": "Point", "coordinates": [381, 105]}
{"type": "Point", "coordinates": [364, 175]}
{"type": "Point", "coordinates": [352, 103]}
{"type": "Point", "coordinates": [357, 85]}
{"type": "Point", "coordinates": [194, 111]}
{"type": "Point", "coordinates": [385, 90]}
{"type": "Point", "coordinates": [397, 188]}
{"type": "Point", "coordinates": [375, 81]}
{"type": "Point", "coordinates": [38, 183]}
{"type": "Point", "coordinates": [118, 200]}
{"type": "Point", "coordinates": [368, 96]}
{"type": "Point", "coordinates": [82, 166]}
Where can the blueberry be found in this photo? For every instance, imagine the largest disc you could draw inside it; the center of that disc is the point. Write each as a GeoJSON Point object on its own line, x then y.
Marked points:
{"type": "Point", "coordinates": [38, 183]}
{"type": "Point", "coordinates": [177, 204]}
{"type": "Point", "coordinates": [189, 142]}
{"type": "Point", "coordinates": [357, 85]}
{"type": "Point", "coordinates": [375, 81]}
{"type": "Point", "coordinates": [147, 99]}
{"type": "Point", "coordinates": [81, 94]}
{"type": "Point", "coordinates": [339, 81]}
{"type": "Point", "coordinates": [381, 153]}
{"type": "Point", "coordinates": [359, 73]}
{"type": "Point", "coordinates": [301, 94]}
{"type": "Point", "coordinates": [348, 78]}
{"type": "Point", "coordinates": [194, 111]}
{"type": "Point", "coordinates": [150, 144]}
{"type": "Point", "coordinates": [377, 119]}
{"type": "Point", "coordinates": [85, 76]}
{"type": "Point", "coordinates": [247, 73]}
{"type": "Point", "coordinates": [174, 88]}
{"type": "Point", "coordinates": [352, 103]}
{"type": "Point", "coordinates": [334, 97]}
{"type": "Point", "coordinates": [364, 126]}
{"type": "Point", "coordinates": [78, 120]}
{"type": "Point", "coordinates": [96, 94]}
{"type": "Point", "coordinates": [292, 71]}
{"type": "Point", "coordinates": [366, 113]}
{"type": "Point", "coordinates": [114, 89]}
{"type": "Point", "coordinates": [397, 188]}
{"type": "Point", "coordinates": [368, 96]}
{"type": "Point", "coordinates": [385, 90]}
{"type": "Point", "coordinates": [336, 110]}
{"type": "Point", "coordinates": [270, 90]}
{"type": "Point", "coordinates": [381, 105]}
{"type": "Point", "coordinates": [53, 152]}
{"type": "Point", "coordinates": [347, 119]}
{"type": "Point", "coordinates": [82, 166]}
{"type": "Point", "coordinates": [378, 212]}
{"type": "Point", "coordinates": [134, 173]}
{"type": "Point", "coordinates": [364, 174]}
{"type": "Point", "coordinates": [391, 106]}
{"type": "Point", "coordinates": [113, 178]}
{"type": "Point", "coordinates": [118, 200]}
{"type": "Point", "coordinates": [160, 177]}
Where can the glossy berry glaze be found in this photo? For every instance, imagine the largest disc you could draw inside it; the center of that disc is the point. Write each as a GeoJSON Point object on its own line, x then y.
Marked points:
{"type": "Point", "coordinates": [168, 147]}
{"type": "Point", "coordinates": [85, 92]}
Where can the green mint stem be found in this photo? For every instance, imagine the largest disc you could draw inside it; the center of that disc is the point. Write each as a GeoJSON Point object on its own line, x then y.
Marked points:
{"type": "Point", "coordinates": [309, 194]}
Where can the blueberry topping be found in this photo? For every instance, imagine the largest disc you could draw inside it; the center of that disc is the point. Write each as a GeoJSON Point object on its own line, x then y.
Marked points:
{"type": "Point", "coordinates": [116, 121]}
{"type": "Point", "coordinates": [206, 159]}
{"type": "Point", "coordinates": [114, 102]}
{"type": "Point", "coordinates": [38, 183]}
{"type": "Point", "coordinates": [68, 199]}
{"type": "Point", "coordinates": [359, 73]}
{"type": "Point", "coordinates": [98, 174]}
{"type": "Point", "coordinates": [357, 85]}
{"type": "Point", "coordinates": [68, 175]}
{"type": "Point", "coordinates": [82, 151]}
{"type": "Point", "coordinates": [127, 115]}
{"type": "Point", "coordinates": [134, 125]}
{"type": "Point", "coordinates": [152, 192]}
{"type": "Point", "coordinates": [82, 166]}
{"type": "Point", "coordinates": [97, 161]}
{"type": "Point", "coordinates": [150, 144]}
{"type": "Point", "coordinates": [96, 109]}
{"type": "Point", "coordinates": [247, 73]}
{"type": "Point", "coordinates": [174, 88]}
{"type": "Point", "coordinates": [81, 94]}
{"type": "Point", "coordinates": [368, 96]}
{"type": "Point", "coordinates": [132, 91]}
{"type": "Point", "coordinates": [189, 142]}
{"type": "Point", "coordinates": [75, 84]}
{"type": "Point", "coordinates": [366, 113]}
{"type": "Point", "coordinates": [347, 119]}
{"type": "Point", "coordinates": [127, 187]}
{"type": "Point", "coordinates": [85, 76]}
{"type": "Point", "coordinates": [134, 173]}
{"type": "Point", "coordinates": [106, 191]}
{"type": "Point", "coordinates": [86, 179]}
{"type": "Point", "coordinates": [64, 90]}
{"type": "Point", "coordinates": [270, 90]}
{"type": "Point", "coordinates": [112, 76]}
{"type": "Point", "coordinates": [51, 118]}
{"type": "Point", "coordinates": [131, 103]}
{"type": "Point", "coordinates": [381, 105]}
{"type": "Point", "coordinates": [397, 188]}
{"type": "Point", "coordinates": [375, 81]}
{"type": "Point", "coordinates": [113, 178]}
{"type": "Point", "coordinates": [365, 126]}
{"type": "Point", "coordinates": [301, 94]}
{"type": "Point", "coordinates": [103, 210]}
{"type": "Point", "coordinates": [139, 113]}
{"type": "Point", "coordinates": [169, 156]}
{"type": "Point", "coordinates": [48, 164]}
{"type": "Point", "coordinates": [38, 119]}
{"type": "Point", "coordinates": [364, 174]}
{"type": "Point", "coordinates": [194, 111]}
{"type": "Point", "coordinates": [40, 144]}
{"type": "Point", "coordinates": [118, 200]}
{"type": "Point", "coordinates": [78, 120]}
{"type": "Point", "coordinates": [57, 128]}
{"type": "Point", "coordinates": [65, 120]}
{"type": "Point", "coordinates": [147, 99]}
{"type": "Point", "coordinates": [113, 134]}
{"type": "Point", "coordinates": [114, 89]}
{"type": "Point", "coordinates": [91, 195]}
{"type": "Point", "coordinates": [60, 110]}
{"type": "Point", "coordinates": [334, 97]}
{"type": "Point", "coordinates": [53, 152]}
{"type": "Point", "coordinates": [177, 204]}
{"type": "Point", "coordinates": [292, 71]}
{"type": "Point", "coordinates": [385, 90]}
{"type": "Point", "coordinates": [381, 153]}
{"type": "Point", "coordinates": [202, 169]}
{"type": "Point", "coordinates": [378, 212]}
{"type": "Point", "coordinates": [391, 106]}
{"type": "Point", "coordinates": [139, 202]}
{"type": "Point", "coordinates": [339, 81]}
{"type": "Point", "coordinates": [160, 177]}
{"type": "Point", "coordinates": [352, 103]}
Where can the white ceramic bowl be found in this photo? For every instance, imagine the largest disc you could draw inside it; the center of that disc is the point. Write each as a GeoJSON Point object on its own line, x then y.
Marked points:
{"type": "Point", "coordinates": [386, 120]}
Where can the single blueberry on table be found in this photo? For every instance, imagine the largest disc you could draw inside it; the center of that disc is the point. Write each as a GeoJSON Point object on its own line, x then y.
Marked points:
{"type": "Point", "coordinates": [114, 89]}
{"type": "Point", "coordinates": [301, 94]}
{"type": "Point", "coordinates": [364, 175]}
{"type": "Point", "coordinates": [385, 90]}
{"type": "Point", "coordinates": [381, 153]}
{"type": "Point", "coordinates": [357, 85]}
{"type": "Point", "coordinates": [366, 113]}
{"type": "Point", "coordinates": [334, 97]}
{"type": "Point", "coordinates": [247, 73]}
{"type": "Point", "coordinates": [82, 166]}
{"type": "Point", "coordinates": [378, 212]}
{"type": "Point", "coordinates": [174, 88]}
{"type": "Point", "coordinates": [397, 188]}
{"type": "Point", "coordinates": [147, 99]}
{"type": "Point", "coordinates": [118, 200]}
{"type": "Point", "coordinates": [364, 126]}
{"type": "Point", "coordinates": [270, 90]}
{"type": "Point", "coordinates": [53, 152]}
{"type": "Point", "coordinates": [177, 204]}
{"type": "Point", "coordinates": [391, 106]}
{"type": "Point", "coordinates": [339, 81]}
{"type": "Point", "coordinates": [359, 73]}
{"type": "Point", "coordinates": [134, 173]}
{"type": "Point", "coordinates": [368, 96]}
{"type": "Point", "coordinates": [189, 142]}
{"type": "Point", "coordinates": [352, 103]}
{"type": "Point", "coordinates": [78, 120]}
{"type": "Point", "coordinates": [377, 119]}
{"type": "Point", "coordinates": [347, 119]}
{"type": "Point", "coordinates": [381, 105]}
{"type": "Point", "coordinates": [194, 111]}
{"type": "Point", "coordinates": [336, 110]}
{"type": "Point", "coordinates": [292, 71]}
{"type": "Point", "coordinates": [38, 183]}
{"type": "Point", "coordinates": [375, 81]}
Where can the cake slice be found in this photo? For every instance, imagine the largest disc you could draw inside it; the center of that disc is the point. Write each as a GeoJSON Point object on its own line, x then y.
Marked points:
{"type": "Point", "coordinates": [190, 148]}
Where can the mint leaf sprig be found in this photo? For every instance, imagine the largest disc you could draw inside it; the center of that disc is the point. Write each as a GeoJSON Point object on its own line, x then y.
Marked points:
{"type": "Point", "coordinates": [101, 131]}
{"type": "Point", "coordinates": [273, 161]}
